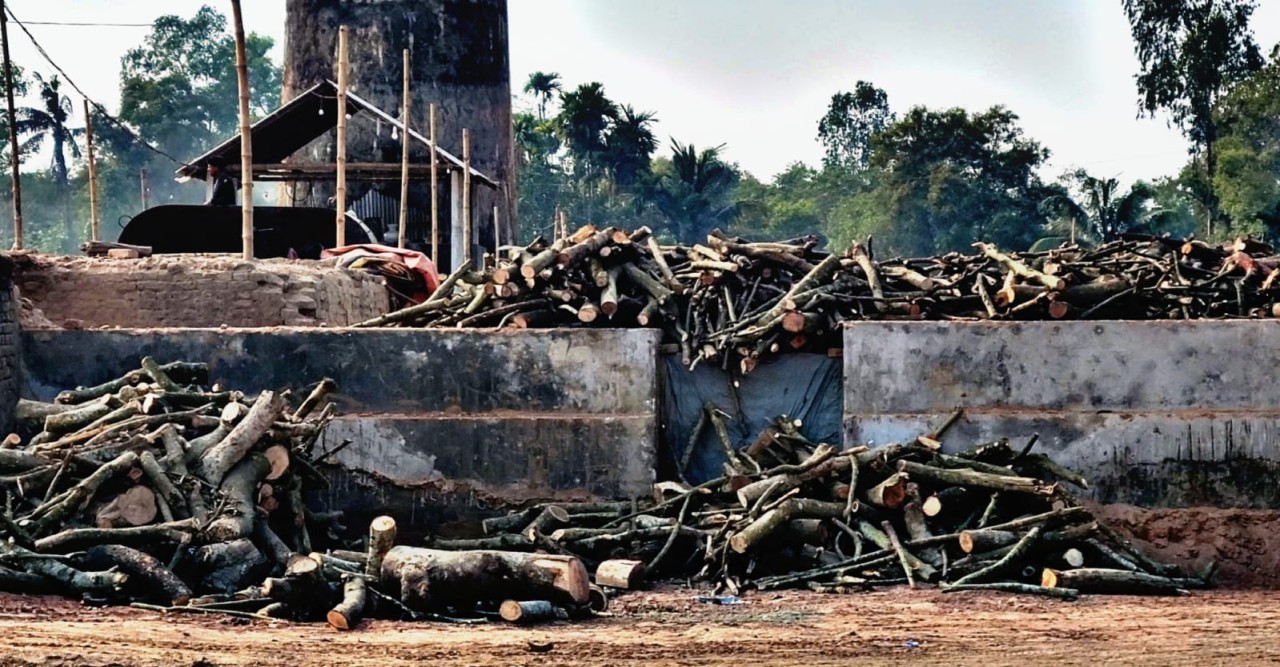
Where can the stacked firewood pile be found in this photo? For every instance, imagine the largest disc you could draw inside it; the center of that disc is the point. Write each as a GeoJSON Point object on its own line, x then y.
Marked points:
{"type": "Point", "coordinates": [791, 513]}
{"type": "Point", "coordinates": [159, 491]}
{"type": "Point", "coordinates": [154, 485]}
{"type": "Point", "coordinates": [733, 301]}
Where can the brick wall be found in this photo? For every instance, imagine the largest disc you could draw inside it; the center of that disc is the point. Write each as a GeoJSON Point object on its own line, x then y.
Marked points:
{"type": "Point", "coordinates": [196, 291]}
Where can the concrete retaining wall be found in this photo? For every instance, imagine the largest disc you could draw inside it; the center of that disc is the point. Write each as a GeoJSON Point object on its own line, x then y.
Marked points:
{"type": "Point", "coordinates": [442, 420]}
{"type": "Point", "coordinates": [1154, 413]}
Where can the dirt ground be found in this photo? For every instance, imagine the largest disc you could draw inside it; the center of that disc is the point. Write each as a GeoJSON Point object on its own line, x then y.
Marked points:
{"type": "Point", "coordinates": [668, 627]}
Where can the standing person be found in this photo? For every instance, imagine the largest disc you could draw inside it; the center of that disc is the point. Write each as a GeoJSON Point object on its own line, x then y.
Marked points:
{"type": "Point", "coordinates": [222, 188]}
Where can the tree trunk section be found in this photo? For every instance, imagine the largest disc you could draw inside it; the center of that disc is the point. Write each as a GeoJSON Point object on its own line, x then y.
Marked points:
{"type": "Point", "coordinates": [466, 576]}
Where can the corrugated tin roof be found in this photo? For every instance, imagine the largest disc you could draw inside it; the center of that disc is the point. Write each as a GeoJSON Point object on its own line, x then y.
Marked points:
{"type": "Point", "coordinates": [298, 122]}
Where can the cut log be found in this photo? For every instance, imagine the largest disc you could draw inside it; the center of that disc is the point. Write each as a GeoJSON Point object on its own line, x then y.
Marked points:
{"type": "Point", "coordinates": [466, 576]}
{"type": "Point", "coordinates": [382, 536]}
{"type": "Point", "coordinates": [624, 574]}
{"type": "Point", "coordinates": [1110, 582]}
{"type": "Point", "coordinates": [74, 539]}
{"type": "Point", "coordinates": [977, 541]}
{"type": "Point", "coordinates": [527, 612]}
{"type": "Point", "coordinates": [222, 457]}
{"type": "Point", "coordinates": [77, 497]}
{"type": "Point", "coordinates": [313, 400]}
{"type": "Point", "coordinates": [793, 508]}
{"type": "Point", "coordinates": [278, 458]}
{"type": "Point", "coordinates": [971, 478]}
{"type": "Point", "coordinates": [73, 420]}
{"type": "Point", "coordinates": [240, 487]}
{"type": "Point", "coordinates": [176, 500]}
{"type": "Point", "coordinates": [148, 577]}
{"type": "Point", "coordinates": [134, 507]}
{"type": "Point", "coordinates": [889, 494]}
{"type": "Point", "coordinates": [355, 597]}
{"type": "Point", "coordinates": [33, 414]}
{"type": "Point", "coordinates": [78, 581]}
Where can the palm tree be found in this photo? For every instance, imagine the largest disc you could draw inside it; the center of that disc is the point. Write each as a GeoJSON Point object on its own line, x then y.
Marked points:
{"type": "Point", "coordinates": [1104, 212]}
{"type": "Point", "coordinates": [630, 145]}
{"type": "Point", "coordinates": [49, 121]}
{"type": "Point", "coordinates": [585, 116]}
{"type": "Point", "coordinates": [542, 85]}
{"type": "Point", "coordinates": [695, 194]}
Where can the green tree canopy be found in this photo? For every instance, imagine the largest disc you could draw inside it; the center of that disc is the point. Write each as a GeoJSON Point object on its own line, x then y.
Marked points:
{"type": "Point", "coordinates": [851, 120]}
{"type": "Point", "coordinates": [1246, 177]}
{"type": "Point", "coordinates": [944, 179]}
{"type": "Point", "coordinates": [1190, 52]}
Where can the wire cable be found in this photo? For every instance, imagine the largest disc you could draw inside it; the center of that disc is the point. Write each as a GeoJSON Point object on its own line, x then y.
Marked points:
{"type": "Point", "coordinates": [98, 107]}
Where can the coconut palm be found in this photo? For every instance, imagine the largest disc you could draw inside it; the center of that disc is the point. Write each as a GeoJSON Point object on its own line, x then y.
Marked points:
{"type": "Point", "coordinates": [48, 121]}
{"type": "Point", "coordinates": [694, 194]}
{"type": "Point", "coordinates": [1099, 206]}
{"type": "Point", "coordinates": [543, 86]}
{"type": "Point", "coordinates": [630, 145]}
{"type": "Point", "coordinates": [585, 117]}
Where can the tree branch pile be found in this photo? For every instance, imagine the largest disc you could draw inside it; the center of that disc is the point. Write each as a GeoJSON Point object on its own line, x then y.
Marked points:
{"type": "Point", "coordinates": [155, 487]}
{"type": "Point", "coordinates": [732, 301]}
{"type": "Point", "coordinates": [791, 513]}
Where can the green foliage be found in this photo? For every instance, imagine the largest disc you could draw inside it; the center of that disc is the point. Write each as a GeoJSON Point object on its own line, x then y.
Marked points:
{"type": "Point", "coordinates": [1246, 177]}
{"type": "Point", "coordinates": [1094, 209]}
{"type": "Point", "coordinates": [851, 120]}
{"type": "Point", "coordinates": [543, 86]}
{"type": "Point", "coordinates": [694, 191]}
{"type": "Point", "coordinates": [941, 180]}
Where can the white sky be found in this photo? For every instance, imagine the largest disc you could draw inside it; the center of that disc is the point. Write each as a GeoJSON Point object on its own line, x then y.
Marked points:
{"type": "Point", "coordinates": [757, 74]}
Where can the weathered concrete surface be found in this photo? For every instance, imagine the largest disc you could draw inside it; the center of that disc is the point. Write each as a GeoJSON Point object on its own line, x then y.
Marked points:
{"type": "Point", "coordinates": [435, 416]}
{"type": "Point", "coordinates": [1154, 413]}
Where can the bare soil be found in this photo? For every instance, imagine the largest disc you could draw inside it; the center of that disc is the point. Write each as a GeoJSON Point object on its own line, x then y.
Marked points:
{"type": "Point", "coordinates": [1245, 544]}
{"type": "Point", "coordinates": [669, 627]}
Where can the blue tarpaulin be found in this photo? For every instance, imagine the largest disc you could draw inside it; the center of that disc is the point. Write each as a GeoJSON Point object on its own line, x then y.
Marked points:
{"type": "Point", "coordinates": [800, 386]}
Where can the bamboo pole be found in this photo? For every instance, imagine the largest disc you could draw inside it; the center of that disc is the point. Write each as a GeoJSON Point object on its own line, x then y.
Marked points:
{"type": "Point", "coordinates": [146, 188]}
{"type": "Point", "coordinates": [466, 195]}
{"type": "Point", "coordinates": [246, 139]}
{"type": "Point", "coordinates": [93, 174]}
{"type": "Point", "coordinates": [435, 189]}
{"type": "Point", "coordinates": [404, 157]}
{"type": "Point", "coordinates": [340, 191]}
{"type": "Point", "coordinates": [497, 232]}
{"type": "Point", "coordinates": [13, 130]}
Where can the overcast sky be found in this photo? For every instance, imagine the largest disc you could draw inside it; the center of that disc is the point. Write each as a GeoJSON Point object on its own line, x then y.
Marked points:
{"type": "Point", "coordinates": [756, 75]}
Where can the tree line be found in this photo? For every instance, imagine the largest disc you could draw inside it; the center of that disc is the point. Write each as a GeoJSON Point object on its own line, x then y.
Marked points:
{"type": "Point", "coordinates": [918, 180]}
{"type": "Point", "coordinates": [925, 180]}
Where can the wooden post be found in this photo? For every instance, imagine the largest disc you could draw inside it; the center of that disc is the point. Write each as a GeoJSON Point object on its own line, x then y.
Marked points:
{"type": "Point", "coordinates": [93, 174]}
{"type": "Point", "coordinates": [497, 233]}
{"type": "Point", "coordinates": [404, 157]}
{"type": "Point", "coordinates": [340, 191]}
{"type": "Point", "coordinates": [246, 139]}
{"type": "Point", "coordinates": [466, 194]}
{"type": "Point", "coordinates": [146, 188]}
{"type": "Point", "coordinates": [456, 254]}
{"type": "Point", "coordinates": [13, 130]}
{"type": "Point", "coordinates": [435, 190]}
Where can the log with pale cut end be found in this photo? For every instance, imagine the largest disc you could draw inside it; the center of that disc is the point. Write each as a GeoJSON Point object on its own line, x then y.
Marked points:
{"type": "Point", "coordinates": [776, 518]}
{"type": "Point", "coordinates": [550, 518]}
{"type": "Point", "coordinates": [219, 459]}
{"type": "Point", "coordinates": [33, 413]}
{"type": "Point", "coordinates": [278, 457]}
{"type": "Point", "coordinates": [1073, 558]}
{"type": "Point", "coordinates": [796, 321]}
{"type": "Point", "coordinates": [972, 478]}
{"type": "Point", "coordinates": [445, 577]}
{"type": "Point", "coordinates": [355, 597]}
{"type": "Point", "coordinates": [619, 573]}
{"type": "Point", "coordinates": [382, 536]}
{"type": "Point", "coordinates": [274, 610]}
{"type": "Point", "coordinates": [980, 540]}
{"type": "Point", "coordinates": [889, 494]}
{"type": "Point", "coordinates": [526, 612]}
{"type": "Point", "coordinates": [313, 400]}
{"type": "Point", "coordinates": [1110, 582]}
{"type": "Point", "coordinates": [146, 574]}
{"type": "Point", "coordinates": [240, 487]}
{"type": "Point", "coordinates": [72, 420]}
{"type": "Point", "coordinates": [134, 507]}
{"type": "Point", "coordinates": [99, 583]}
{"type": "Point", "coordinates": [77, 497]}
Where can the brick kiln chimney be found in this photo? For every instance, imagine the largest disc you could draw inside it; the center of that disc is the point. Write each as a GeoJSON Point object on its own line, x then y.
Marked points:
{"type": "Point", "coordinates": [460, 62]}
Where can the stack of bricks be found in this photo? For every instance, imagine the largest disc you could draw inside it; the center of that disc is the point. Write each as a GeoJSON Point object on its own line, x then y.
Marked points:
{"type": "Point", "coordinates": [196, 291]}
